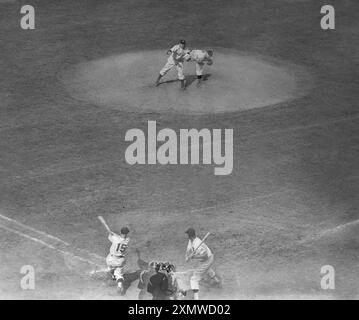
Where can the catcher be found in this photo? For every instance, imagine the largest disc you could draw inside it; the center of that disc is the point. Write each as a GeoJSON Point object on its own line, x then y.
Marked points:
{"type": "Point", "coordinates": [150, 268]}
{"type": "Point", "coordinates": [200, 57]}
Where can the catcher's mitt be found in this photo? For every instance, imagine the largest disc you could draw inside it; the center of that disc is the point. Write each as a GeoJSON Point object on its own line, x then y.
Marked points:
{"type": "Point", "coordinates": [210, 62]}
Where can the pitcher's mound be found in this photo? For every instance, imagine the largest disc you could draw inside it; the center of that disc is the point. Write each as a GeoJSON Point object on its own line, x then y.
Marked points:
{"type": "Point", "coordinates": [234, 82]}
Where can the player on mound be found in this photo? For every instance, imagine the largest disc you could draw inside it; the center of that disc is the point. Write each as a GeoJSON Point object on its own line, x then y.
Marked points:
{"type": "Point", "coordinates": [202, 255]}
{"type": "Point", "coordinates": [200, 57]}
{"type": "Point", "coordinates": [175, 59]}
{"type": "Point", "coordinates": [116, 259]}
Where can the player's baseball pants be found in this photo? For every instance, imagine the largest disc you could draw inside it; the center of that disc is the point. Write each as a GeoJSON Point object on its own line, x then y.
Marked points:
{"type": "Point", "coordinates": [199, 68]}
{"type": "Point", "coordinates": [116, 265]}
{"type": "Point", "coordinates": [169, 65]}
{"type": "Point", "coordinates": [203, 269]}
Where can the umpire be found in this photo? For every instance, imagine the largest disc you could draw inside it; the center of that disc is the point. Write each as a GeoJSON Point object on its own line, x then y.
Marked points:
{"type": "Point", "coordinates": [158, 284]}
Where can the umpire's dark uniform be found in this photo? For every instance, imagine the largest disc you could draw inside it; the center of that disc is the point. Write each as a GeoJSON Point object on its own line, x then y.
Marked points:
{"type": "Point", "coordinates": [158, 286]}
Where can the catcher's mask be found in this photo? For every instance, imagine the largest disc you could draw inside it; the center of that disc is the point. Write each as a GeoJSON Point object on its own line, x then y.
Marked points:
{"type": "Point", "coordinates": [171, 268]}
{"type": "Point", "coordinates": [158, 266]}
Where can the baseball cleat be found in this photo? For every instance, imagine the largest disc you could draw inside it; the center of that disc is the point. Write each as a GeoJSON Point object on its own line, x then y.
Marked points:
{"type": "Point", "coordinates": [120, 288]}
{"type": "Point", "coordinates": [183, 85]}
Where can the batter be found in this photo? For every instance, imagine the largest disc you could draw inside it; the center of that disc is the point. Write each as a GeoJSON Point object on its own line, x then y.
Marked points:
{"type": "Point", "coordinates": [116, 259]}
{"type": "Point", "coordinates": [199, 251]}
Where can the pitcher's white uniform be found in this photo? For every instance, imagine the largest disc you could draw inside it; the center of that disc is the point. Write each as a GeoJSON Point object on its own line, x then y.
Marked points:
{"type": "Point", "coordinates": [204, 258]}
{"type": "Point", "coordinates": [116, 258]}
{"type": "Point", "coordinates": [176, 58]}
{"type": "Point", "coordinates": [199, 57]}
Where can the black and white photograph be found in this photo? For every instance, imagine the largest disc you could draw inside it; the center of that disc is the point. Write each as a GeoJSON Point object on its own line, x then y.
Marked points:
{"type": "Point", "coordinates": [179, 150]}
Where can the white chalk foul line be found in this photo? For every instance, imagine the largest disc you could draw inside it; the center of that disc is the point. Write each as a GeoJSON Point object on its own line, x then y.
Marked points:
{"type": "Point", "coordinates": [329, 231]}
{"type": "Point", "coordinates": [25, 234]}
{"type": "Point", "coordinates": [43, 243]}
{"type": "Point", "coordinates": [34, 230]}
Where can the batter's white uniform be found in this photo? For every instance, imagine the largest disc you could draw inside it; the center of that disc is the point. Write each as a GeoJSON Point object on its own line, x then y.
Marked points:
{"type": "Point", "coordinates": [199, 57]}
{"type": "Point", "coordinates": [176, 58]}
{"type": "Point", "coordinates": [205, 260]}
{"type": "Point", "coordinates": [116, 258]}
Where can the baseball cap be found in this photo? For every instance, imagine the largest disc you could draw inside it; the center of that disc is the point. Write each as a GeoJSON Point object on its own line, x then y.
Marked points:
{"type": "Point", "coordinates": [182, 41]}
{"type": "Point", "coordinates": [125, 230]}
{"type": "Point", "coordinates": [191, 232]}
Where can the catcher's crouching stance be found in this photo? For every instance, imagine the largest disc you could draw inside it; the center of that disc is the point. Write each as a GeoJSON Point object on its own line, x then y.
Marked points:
{"type": "Point", "coordinates": [116, 259]}
{"type": "Point", "coordinates": [199, 251]}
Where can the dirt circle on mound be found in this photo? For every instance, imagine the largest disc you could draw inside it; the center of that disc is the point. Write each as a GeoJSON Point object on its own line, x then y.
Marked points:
{"type": "Point", "coordinates": [235, 82]}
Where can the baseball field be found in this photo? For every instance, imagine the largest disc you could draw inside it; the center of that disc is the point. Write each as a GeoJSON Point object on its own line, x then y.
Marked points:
{"type": "Point", "coordinates": [73, 87]}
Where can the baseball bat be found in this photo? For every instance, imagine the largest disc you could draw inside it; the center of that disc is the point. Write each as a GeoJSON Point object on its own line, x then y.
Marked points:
{"type": "Point", "coordinates": [104, 223]}
{"type": "Point", "coordinates": [195, 250]}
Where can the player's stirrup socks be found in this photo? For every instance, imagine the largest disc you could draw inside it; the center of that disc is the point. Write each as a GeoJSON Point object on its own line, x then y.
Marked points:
{"type": "Point", "coordinates": [158, 79]}
{"type": "Point", "coordinates": [195, 294]}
